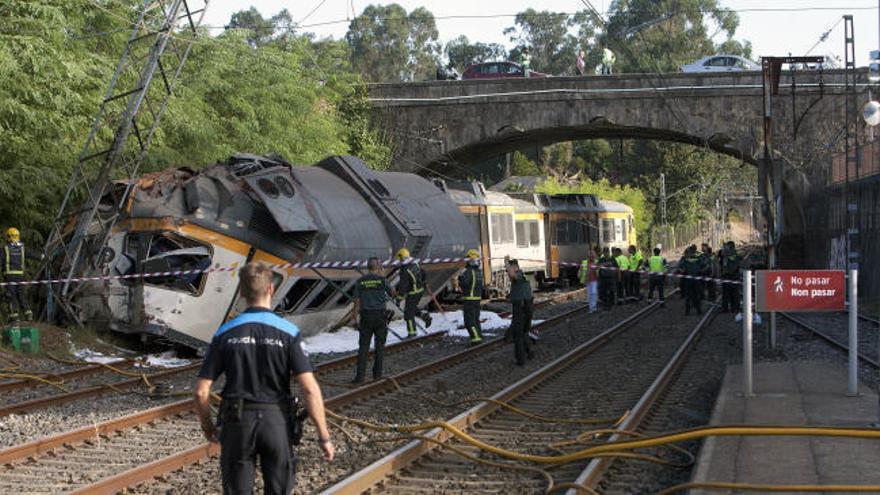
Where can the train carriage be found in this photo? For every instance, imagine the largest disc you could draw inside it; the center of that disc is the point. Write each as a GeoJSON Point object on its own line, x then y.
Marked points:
{"type": "Point", "coordinates": [617, 228]}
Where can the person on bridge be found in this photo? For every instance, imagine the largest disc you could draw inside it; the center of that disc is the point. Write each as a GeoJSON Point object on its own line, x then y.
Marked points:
{"type": "Point", "coordinates": [710, 271]}
{"type": "Point", "coordinates": [14, 256]}
{"type": "Point", "coordinates": [608, 60]}
{"type": "Point", "coordinates": [371, 292]}
{"type": "Point", "coordinates": [636, 263]}
{"type": "Point", "coordinates": [521, 319]}
{"type": "Point", "coordinates": [470, 284]}
{"type": "Point", "coordinates": [730, 267]}
{"type": "Point", "coordinates": [589, 276]}
{"type": "Point", "coordinates": [411, 287]}
{"type": "Point", "coordinates": [657, 268]}
{"type": "Point", "coordinates": [258, 352]}
{"type": "Point", "coordinates": [622, 262]}
{"type": "Point", "coordinates": [525, 59]}
{"type": "Point", "coordinates": [607, 276]}
{"type": "Point", "coordinates": [580, 65]}
{"type": "Point", "coordinates": [691, 266]}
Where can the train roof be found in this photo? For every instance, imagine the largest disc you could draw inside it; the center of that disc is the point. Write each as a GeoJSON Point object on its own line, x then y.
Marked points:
{"type": "Point", "coordinates": [494, 198]}
{"type": "Point", "coordinates": [561, 203]}
{"type": "Point", "coordinates": [610, 206]}
{"type": "Point", "coordinates": [471, 193]}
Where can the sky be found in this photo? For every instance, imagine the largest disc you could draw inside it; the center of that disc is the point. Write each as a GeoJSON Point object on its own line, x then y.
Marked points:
{"type": "Point", "coordinates": [794, 28]}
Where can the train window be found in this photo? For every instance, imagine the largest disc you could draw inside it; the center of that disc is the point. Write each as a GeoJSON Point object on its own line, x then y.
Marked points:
{"type": "Point", "coordinates": [169, 252]}
{"type": "Point", "coordinates": [534, 234]}
{"type": "Point", "coordinates": [608, 230]}
{"type": "Point", "coordinates": [284, 186]}
{"type": "Point", "coordinates": [297, 293]}
{"type": "Point", "coordinates": [561, 233]}
{"type": "Point", "coordinates": [348, 295]}
{"type": "Point", "coordinates": [268, 187]}
{"type": "Point", "coordinates": [326, 293]}
{"type": "Point", "coordinates": [623, 229]}
{"type": "Point", "coordinates": [502, 228]}
{"type": "Point", "coordinates": [521, 239]}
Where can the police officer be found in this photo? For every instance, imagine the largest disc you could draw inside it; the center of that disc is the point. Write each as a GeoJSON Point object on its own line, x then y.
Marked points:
{"type": "Point", "coordinates": [607, 278]}
{"type": "Point", "coordinates": [730, 265]}
{"type": "Point", "coordinates": [657, 268]}
{"type": "Point", "coordinates": [521, 320]}
{"type": "Point", "coordinates": [257, 352]}
{"type": "Point", "coordinates": [371, 292]}
{"type": "Point", "coordinates": [622, 262]}
{"type": "Point", "coordinates": [470, 284]}
{"type": "Point", "coordinates": [410, 287]}
{"type": "Point", "coordinates": [13, 271]}
{"type": "Point", "coordinates": [691, 265]}
{"type": "Point", "coordinates": [709, 271]}
{"type": "Point", "coordinates": [635, 262]}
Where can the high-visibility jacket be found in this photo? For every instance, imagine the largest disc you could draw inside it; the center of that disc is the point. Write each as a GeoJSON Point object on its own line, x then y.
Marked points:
{"type": "Point", "coordinates": [471, 283]}
{"type": "Point", "coordinates": [584, 272]}
{"type": "Point", "coordinates": [526, 60]}
{"type": "Point", "coordinates": [412, 280]}
{"type": "Point", "coordinates": [13, 258]}
{"type": "Point", "coordinates": [657, 264]}
{"type": "Point", "coordinates": [635, 260]}
{"type": "Point", "coordinates": [622, 262]}
{"type": "Point", "coordinates": [608, 57]}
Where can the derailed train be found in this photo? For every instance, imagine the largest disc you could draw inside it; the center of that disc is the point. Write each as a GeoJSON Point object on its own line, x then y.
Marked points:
{"type": "Point", "coordinates": [254, 208]}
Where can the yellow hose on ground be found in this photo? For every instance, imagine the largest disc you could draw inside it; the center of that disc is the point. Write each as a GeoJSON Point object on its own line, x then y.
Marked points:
{"type": "Point", "coordinates": [720, 485]}
{"type": "Point", "coordinates": [25, 376]}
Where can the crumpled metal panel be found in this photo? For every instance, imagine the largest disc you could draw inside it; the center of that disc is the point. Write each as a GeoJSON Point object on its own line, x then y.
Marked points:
{"type": "Point", "coordinates": [285, 200]}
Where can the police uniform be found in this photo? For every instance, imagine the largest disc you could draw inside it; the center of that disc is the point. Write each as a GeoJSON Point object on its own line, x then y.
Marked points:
{"type": "Point", "coordinates": [410, 287]}
{"type": "Point", "coordinates": [709, 271]}
{"type": "Point", "coordinates": [13, 271]}
{"type": "Point", "coordinates": [623, 279]}
{"type": "Point", "coordinates": [373, 290]}
{"type": "Point", "coordinates": [607, 275]}
{"type": "Point", "coordinates": [635, 278]}
{"type": "Point", "coordinates": [657, 267]}
{"type": "Point", "coordinates": [471, 283]}
{"type": "Point", "coordinates": [730, 266]}
{"type": "Point", "coordinates": [692, 265]}
{"type": "Point", "coordinates": [521, 320]}
{"type": "Point", "coordinates": [257, 352]}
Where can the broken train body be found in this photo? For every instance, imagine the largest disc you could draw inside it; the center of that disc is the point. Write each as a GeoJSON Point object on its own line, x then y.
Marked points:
{"type": "Point", "coordinates": [253, 208]}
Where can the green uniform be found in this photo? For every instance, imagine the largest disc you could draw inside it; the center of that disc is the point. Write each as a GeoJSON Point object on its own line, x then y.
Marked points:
{"type": "Point", "coordinates": [607, 275]}
{"type": "Point", "coordinates": [521, 320]}
{"type": "Point", "coordinates": [471, 283]}
{"type": "Point", "coordinates": [730, 267]}
{"type": "Point", "coordinates": [622, 278]}
{"type": "Point", "coordinates": [372, 290]}
{"type": "Point", "coordinates": [657, 268]}
{"type": "Point", "coordinates": [634, 278]}
{"type": "Point", "coordinates": [692, 265]}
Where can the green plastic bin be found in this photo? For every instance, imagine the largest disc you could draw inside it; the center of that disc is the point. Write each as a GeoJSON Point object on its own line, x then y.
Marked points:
{"type": "Point", "coordinates": [24, 339]}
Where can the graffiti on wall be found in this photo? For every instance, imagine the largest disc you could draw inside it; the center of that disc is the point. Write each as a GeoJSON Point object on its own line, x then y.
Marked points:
{"type": "Point", "coordinates": [837, 254]}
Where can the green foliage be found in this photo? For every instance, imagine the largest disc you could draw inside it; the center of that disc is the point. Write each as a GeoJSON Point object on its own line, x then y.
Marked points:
{"type": "Point", "coordinates": [462, 53]}
{"type": "Point", "coordinates": [387, 44]}
{"type": "Point", "coordinates": [552, 43]}
{"type": "Point", "coordinates": [253, 89]}
{"type": "Point", "coordinates": [521, 165]}
{"type": "Point", "coordinates": [626, 194]}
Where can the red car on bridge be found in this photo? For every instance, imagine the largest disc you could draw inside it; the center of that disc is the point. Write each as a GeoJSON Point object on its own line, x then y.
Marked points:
{"type": "Point", "coordinates": [498, 70]}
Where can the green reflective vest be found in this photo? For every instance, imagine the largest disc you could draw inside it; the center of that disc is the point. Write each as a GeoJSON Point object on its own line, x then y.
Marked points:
{"type": "Point", "coordinates": [656, 264]}
{"type": "Point", "coordinates": [622, 262]}
{"type": "Point", "coordinates": [635, 260]}
{"type": "Point", "coordinates": [584, 271]}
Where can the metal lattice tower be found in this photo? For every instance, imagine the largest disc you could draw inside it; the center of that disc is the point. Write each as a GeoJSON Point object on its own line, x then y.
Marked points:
{"type": "Point", "coordinates": [852, 152]}
{"type": "Point", "coordinates": [121, 133]}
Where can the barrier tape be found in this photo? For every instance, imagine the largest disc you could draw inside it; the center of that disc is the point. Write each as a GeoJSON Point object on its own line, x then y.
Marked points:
{"type": "Point", "coordinates": [350, 264]}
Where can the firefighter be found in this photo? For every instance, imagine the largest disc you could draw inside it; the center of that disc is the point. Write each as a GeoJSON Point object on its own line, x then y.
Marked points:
{"type": "Point", "coordinates": [521, 319]}
{"type": "Point", "coordinates": [622, 262]}
{"type": "Point", "coordinates": [411, 287]}
{"type": "Point", "coordinates": [470, 284]}
{"type": "Point", "coordinates": [691, 265]}
{"type": "Point", "coordinates": [709, 271]}
{"type": "Point", "coordinates": [13, 272]}
{"type": "Point", "coordinates": [371, 292]}
{"type": "Point", "coordinates": [635, 261]}
{"type": "Point", "coordinates": [730, 266]}
{"type": "Point", "coordinates": [607, 276]}
{"type": "Point", "coordinates": [657, 268]}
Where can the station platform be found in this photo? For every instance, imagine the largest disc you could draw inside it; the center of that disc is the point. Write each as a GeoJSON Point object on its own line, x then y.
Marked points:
{"type": "Point", "coordinates": [791, 393]}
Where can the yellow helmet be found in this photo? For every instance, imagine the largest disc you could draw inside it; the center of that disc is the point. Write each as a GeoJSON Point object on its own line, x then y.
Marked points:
{"type": "Point", "coordinates": [472, 254]}
{"type": "Point", "coordinates": [403, 253]}
{"type": "Point", "coordinates": [12, 234]}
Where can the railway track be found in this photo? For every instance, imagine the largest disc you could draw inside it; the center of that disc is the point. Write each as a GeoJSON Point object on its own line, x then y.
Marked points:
{"type": "Point", "coordinates": [833, 328]}
{"type": "Point", "coordinates": [617, 358]}
{"type": "Point", "coordinates": [116, 445]}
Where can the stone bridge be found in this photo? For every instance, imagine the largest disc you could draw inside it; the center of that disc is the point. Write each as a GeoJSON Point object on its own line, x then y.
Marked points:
{"type": "Point", "coordinates": [433, 124]}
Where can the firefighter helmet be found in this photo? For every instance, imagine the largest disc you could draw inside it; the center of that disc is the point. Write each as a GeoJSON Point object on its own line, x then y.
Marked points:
{"type": "Point", "coordinates": [402, 253]}
{"type": "Point", "coordinates": [472, 254]}
{"type": "Point", "coordinates": [12, 234]}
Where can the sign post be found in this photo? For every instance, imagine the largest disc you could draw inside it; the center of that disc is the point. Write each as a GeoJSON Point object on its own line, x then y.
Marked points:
{"type": "Point", "coordinates": [813, 290]}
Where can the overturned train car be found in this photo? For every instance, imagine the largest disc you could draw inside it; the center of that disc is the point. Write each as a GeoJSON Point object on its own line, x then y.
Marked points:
{"type": "Point", "coordinates": [253, 208]}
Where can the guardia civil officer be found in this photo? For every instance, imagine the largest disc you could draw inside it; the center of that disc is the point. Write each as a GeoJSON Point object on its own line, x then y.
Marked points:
{"type": "Point", "coordinates": [470, 283]}
{"type": "Point", "coordinates": [730, 265]}
{"type": "Point", "coordinates": [258, 352]}
{"type": "Point", "coordinates": [521, 320]}
{"type": "Point", "coordinates": [691, 265]}
{"type": "Point", "coordinates": [657, 268]}
{"type": "Point", "coordinates": [635, 262]}
{"type": "Point", "coordinates": [709, 270]}
{"type": "Point", "coordinates": [410, 287]}
{"type": "Point", "coordinates": [622, 274]}
{"type": "Point", "coordinates": [13, 271]}
{"type": "Point", "coordinates": [607, 278]}
{"type": "Point", "coordinates": [371, 292]}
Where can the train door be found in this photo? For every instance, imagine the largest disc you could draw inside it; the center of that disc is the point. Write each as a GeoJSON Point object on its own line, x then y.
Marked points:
{"type": "Point", "coordinates": [553, 252]}
{"type": "Point", "coordinates": [484, 244]}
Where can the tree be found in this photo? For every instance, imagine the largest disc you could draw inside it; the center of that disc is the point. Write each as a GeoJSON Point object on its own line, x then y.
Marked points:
{"type": "Point", "coordinates": [552, 45]}
{"type": "Point", "coordinates": [461, 52]}
{"type": "Point", "coordinates": [259, 30]}
{"type": "Point", "coordinates": [389, 45]}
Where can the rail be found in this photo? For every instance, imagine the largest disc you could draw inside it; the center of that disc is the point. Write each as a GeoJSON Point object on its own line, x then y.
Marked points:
{"type": "Point", "coordinates": [831, 340]}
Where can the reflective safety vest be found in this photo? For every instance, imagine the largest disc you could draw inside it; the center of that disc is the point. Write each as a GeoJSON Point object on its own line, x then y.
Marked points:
{"type": "Point", "coordinates": [417, 278]}
{"type": "Point", "coordinates": [526, 60]}
{"type": "Point", "coordinates": [622, 262]}
{"type": "Point", "coordinates": [14, 256]}
{"type": "Point", "coordinates": [471, 282]}
{"type": "Point", "coordinates": [635, 260]}
{"type": "Point", "coordinates": [584, 271]}
{"type": "Point", "coordinates": [657, 264]}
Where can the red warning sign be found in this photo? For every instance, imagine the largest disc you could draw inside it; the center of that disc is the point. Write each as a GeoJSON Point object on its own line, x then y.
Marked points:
{"type": "Point", "coordinates": [800, 290]}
